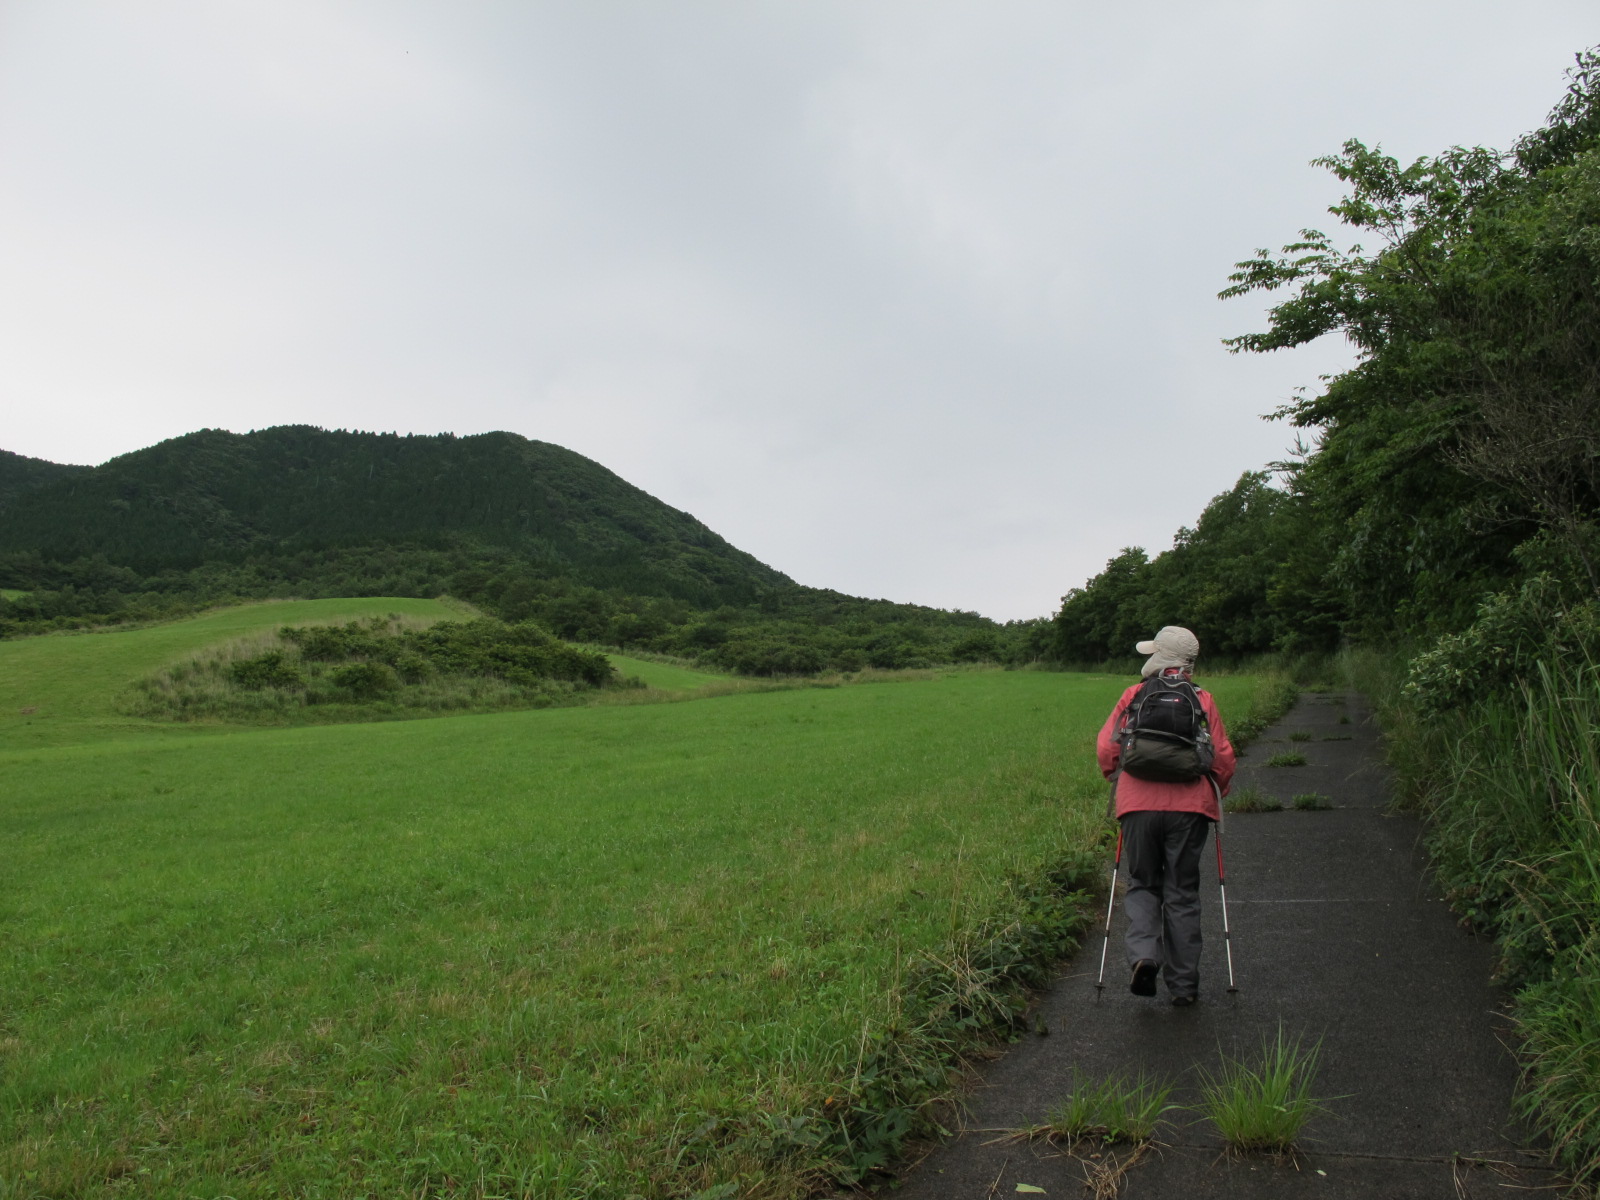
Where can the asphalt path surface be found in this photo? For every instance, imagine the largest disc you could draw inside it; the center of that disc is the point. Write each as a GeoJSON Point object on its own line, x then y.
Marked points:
{"type": "Point", "coordinates": [1338, 935]}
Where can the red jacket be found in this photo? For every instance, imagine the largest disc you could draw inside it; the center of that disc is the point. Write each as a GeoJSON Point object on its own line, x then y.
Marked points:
{"type": "Point", "coordinates": [1144, 795]}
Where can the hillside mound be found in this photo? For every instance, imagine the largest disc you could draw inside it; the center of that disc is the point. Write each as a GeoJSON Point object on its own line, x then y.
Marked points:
{"type": "Point", "coordinates": [19, 474]}
{"type": "Point", "coordinates": [217, 496]}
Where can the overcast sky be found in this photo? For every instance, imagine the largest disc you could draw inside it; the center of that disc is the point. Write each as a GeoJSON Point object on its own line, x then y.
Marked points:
{"type": "Point", "coordinates": [913, 300]}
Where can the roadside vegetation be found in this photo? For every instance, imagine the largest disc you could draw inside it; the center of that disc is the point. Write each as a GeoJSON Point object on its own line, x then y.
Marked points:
{"type": "Point", "coordinates": [1287, 758]}
{"type": "Point", "coordinates": [1250, 799]}
{"type": "Point", "coordinates": [1509, 779]}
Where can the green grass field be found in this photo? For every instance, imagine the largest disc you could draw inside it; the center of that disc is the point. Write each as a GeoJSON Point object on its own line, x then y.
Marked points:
{"type": "Point", "coordinates": [603, 951]}
{"type": "Point", "coordinates": [63, 688]}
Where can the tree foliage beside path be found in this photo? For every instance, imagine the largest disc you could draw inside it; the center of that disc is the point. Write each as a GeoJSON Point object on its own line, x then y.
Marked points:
{"type": "Point", "coordinates": [1457, 459]}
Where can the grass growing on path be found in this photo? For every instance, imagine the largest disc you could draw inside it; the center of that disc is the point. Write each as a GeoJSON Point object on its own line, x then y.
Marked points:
{"type": "Point", "coordinates": [578, 952]}
{"type": "Point", "coordinates": [1119, 1108]}
{"type": "Point", "coordinates": [1250, 799]}
{"type": "Point", "coordinates": [1262, 1105]}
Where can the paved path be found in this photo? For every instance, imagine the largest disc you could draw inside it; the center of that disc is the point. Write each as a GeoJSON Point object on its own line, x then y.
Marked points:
{"type": "Point", "coordinates": [1338, 935]}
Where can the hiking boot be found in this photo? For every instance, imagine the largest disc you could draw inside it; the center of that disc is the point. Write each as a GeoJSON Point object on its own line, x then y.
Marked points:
{"type": "Point", "coordinates": [1183, 1001]}
{"type": "Point", "coordinates": [1144, 978]}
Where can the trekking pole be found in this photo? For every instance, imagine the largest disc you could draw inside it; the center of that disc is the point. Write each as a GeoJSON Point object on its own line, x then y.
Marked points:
{"type": "Point", "coordinates": [1111, 900]}
{"type": "Point", "coordinates": [1222, 886]}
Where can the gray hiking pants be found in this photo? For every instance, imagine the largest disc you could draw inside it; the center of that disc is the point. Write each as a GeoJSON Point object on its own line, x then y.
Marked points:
{"type": "Point", "coordinates": [1161, 854]}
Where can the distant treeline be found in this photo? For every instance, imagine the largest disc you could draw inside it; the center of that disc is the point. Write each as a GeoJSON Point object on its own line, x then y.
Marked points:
{"type": "Point", "coordinates": [787, 630]}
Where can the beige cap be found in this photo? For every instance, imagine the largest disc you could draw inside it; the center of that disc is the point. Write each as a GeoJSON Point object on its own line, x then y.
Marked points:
{"type": "Point", "coordinates": [1173, 646]}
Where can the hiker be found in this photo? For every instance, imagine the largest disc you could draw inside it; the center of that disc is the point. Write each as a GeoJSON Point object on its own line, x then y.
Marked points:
{"type": "Point", "coordinates": [1166, 800]}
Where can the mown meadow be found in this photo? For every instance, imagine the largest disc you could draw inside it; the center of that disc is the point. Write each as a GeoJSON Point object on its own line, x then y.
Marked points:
{"type": "Point", "coordinates": [670, 949]}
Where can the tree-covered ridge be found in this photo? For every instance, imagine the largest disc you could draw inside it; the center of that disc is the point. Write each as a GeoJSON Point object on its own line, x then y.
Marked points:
{"type": "Point", "coordinates": [793, 630]}
{"type": "Point", "coordinates": [19, 474]}
{"type": "Point", "coordinates": [524, 530]}
{"type": "Point", "coordinates": [217, 496]}
{"type": "Point", "coordinates": [1459, 456]}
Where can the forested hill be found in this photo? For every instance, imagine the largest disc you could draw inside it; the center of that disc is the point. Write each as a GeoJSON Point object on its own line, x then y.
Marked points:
{"type": "Point", "coordinates": [20, 474]}
{"type": "Point", "coordinates": [215, 496]}
{"type": "Point", "coordinates": [522, 529]}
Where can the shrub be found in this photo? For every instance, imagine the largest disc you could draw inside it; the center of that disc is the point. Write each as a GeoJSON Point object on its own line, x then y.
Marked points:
{"type": "Point", "coordinates": [271, 669]}
{"type": "Point", "coordinates": [365, 679]}
{"type": "Point", "coordinates": [849, 659]}
{"type": "Point", "coordinates": [333, 643]}
{"type": "Point", "coordinates": [412, 668]}
{"type": "Point", "coordinates": [1513, 631]}
{"type": "Point", "coordinates": [763, 657]}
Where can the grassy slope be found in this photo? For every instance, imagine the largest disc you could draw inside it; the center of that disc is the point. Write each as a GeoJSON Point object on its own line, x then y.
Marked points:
{"type": "Point", "coordinates": [525, 953]}
{"type": "Point", "coordinates": [72, 680]}
{"type": "Point", "coordinates": [664, 676]}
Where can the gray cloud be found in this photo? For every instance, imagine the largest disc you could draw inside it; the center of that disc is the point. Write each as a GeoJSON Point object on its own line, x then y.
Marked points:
{"type": "Point", "coordinates": [902, 298]}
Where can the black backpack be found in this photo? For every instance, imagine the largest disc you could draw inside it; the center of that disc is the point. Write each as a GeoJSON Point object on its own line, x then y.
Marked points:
{"type": "Point", "coordinates": [1165, 737]}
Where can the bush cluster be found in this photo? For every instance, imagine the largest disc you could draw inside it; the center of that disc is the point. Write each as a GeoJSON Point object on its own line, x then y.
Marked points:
{"type": "Point", "coordinates": [1514, 631]}
{"type": "Point", "coordinates": [331, 672]}
{"type": "Point", "coordinates": [520, 653]}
